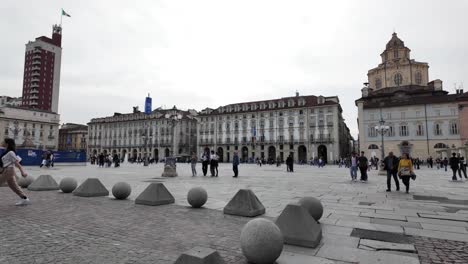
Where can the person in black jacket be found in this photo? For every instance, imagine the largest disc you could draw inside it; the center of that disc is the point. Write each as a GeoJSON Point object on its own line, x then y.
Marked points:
{"type": "Point", "coordinates": [391, 166]}
{"type": "Point", "coordinates": [454, 163]}
{"type": "Point", "coordinates": [462, 166]}
{"type": "Point", "coordinates": [363, 164]}
{"type": "Point", "coordinates": [289, 164]}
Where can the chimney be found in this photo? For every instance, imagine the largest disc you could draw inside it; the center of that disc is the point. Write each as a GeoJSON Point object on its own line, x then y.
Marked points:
{"type": "Point", "coordinates": [437, 85]}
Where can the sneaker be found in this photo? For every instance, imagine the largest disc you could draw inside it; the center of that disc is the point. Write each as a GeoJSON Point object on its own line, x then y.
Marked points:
{"type": "Point", "coordinates": [388, 190]}
{"type": "Point", "coordinates": [23, 202]}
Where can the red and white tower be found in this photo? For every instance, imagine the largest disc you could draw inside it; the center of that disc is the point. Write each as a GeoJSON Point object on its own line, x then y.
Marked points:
{"type": "Point", "coordinates": [41, 82]}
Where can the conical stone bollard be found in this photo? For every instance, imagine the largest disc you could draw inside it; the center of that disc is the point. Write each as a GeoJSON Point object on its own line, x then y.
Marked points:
{"type": "Point", "coordinates": [155, 194]}
{"type": "Point", "coordinates": [200, 255]}
{"type": "Point", "coordinates": [92, 187]}
{"type": "Point", "coordinates": [244, 203]}
{"type": "Point", "coordinates": [44, 183]}
{"type": "Point", "coordinates": [298, 227]}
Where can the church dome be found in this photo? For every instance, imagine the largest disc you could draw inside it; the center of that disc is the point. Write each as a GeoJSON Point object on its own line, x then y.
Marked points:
{"type": "Point", "coordinates": [395, 42]}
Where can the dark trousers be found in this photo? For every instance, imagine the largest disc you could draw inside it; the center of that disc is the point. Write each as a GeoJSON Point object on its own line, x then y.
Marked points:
{"type": "Point", "coordinates": [406, 180]}
{"type": "Point", "coordinates": [291, 167]}
{"type": "Point", "coordinates": [236, 170]}
{"type": "Point", "coordinates": [363, 171]}
{"type": "Point", "coordinates": [462, 169]}
{"type": "Point", "coordinates": [393, 174]}
{"type": "Point", "coordinates": [454, 170]}
{"type": "Point", "coordinates": [212, 170]}
{"type": "Point", "coordinates": [205, 167]}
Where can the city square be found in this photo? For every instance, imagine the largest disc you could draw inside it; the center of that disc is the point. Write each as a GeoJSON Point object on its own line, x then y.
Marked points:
{"type": "Point", "coordinates": [358, 216]}
{"type": "Point", "coordinates": [211, 132]}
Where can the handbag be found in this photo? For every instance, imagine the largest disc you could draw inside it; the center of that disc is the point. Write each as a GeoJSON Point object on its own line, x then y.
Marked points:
{"type": "Point", "coordinates": [404, 172]}
{"type": "Point", "coordinates": [413, 176]}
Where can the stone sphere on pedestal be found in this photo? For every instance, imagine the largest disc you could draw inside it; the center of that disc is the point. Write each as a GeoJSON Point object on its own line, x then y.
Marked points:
{"type": "Point", "coordinates": [197, 197]}
{"type": "Point", "coordinates": [121, 190]}
{"type": "Point", "coordinates": [68, 185]}
{"type": "Point", "coordinates": [261, 241]}
{"type": "Point", "coordinates": [313, 206]}
{"type": "Point", "coordinates": [24, 182]}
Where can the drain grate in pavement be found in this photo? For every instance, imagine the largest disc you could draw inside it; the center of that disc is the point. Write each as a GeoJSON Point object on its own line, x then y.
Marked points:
{"type": "Point", "coordinates": [381, 236]}
{"type": "Point", "coordinates": [440, 199]}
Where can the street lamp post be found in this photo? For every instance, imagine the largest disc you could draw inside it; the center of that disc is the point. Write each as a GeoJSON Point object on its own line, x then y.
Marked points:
{"type": "Point", "coordinates": [145, 138]}
{"type": "Point", "coordinates": [170, 163]}
{"type": "Point", "coordinates": [382, 129]}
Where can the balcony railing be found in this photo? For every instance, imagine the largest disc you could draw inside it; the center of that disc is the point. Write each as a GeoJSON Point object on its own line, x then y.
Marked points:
{"type": "Point", "coordinates": [35, 85]}
{"type": "Point", "coordinates": [36, 57]}
{"type": "Point", "coordinates": [35, 73]}
{"type": "Point", "coordinates": [36, 62]}
{"type": "Point", "coordinates": [35, 80]}
{"type": "Point", "coordinates": [36, 68]}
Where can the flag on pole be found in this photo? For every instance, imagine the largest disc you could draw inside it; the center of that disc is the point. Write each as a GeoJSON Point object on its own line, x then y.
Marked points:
{"type": "Point", "coordinates": [65, 13]}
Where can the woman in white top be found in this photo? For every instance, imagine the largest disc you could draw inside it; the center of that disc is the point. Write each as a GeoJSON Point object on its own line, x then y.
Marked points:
{"type": "Point", "coordinates": [9, 161]}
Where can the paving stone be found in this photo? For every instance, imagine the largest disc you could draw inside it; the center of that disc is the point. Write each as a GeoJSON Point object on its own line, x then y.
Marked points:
{"type": "Point", "coordinates": [381, 245]}
{"type": "Point", "coordinates": [454, 229]}
{"type": "Point", "coordinates": [384, 216]}
{"type": "Point", "coordinates": [381, 236]}
{"type": "Point", "coordinates": [200, 255]}
{"type": "Point", "coordinates": [294, 258]}
{"type": "Point", "coordinates": [363, 256]}
{"type": "Point", "coordinates": [436, 234]}
{"type": "Point", "coordinates": [445, 217]}
{"type": "Point", "coordinates": [395, 223]}
{"type": "Point", "coordinates": [436, 221]}
{"type": "Point", "coordinates": [369, 226]}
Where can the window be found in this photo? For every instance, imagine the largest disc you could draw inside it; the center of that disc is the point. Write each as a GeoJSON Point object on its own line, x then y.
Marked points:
{"type": "Point", "coordinates": [453, 111]}
{"type": "Point", "coordinates": [437, 112]}
{"type": "Point", "coordinates": [418, 113]}
{"type": "Point", "coordinates": [418, 78]}
{"type": "Point", "coordinates": [389, 115]}
{"type": "Point", "coordinates": [403, 115]}
{"type": "Point", "coordinates": [404, 130]}
{"type": "Point", "coordinates": [371, 116]}
{"type": "Point", "coordinates": [373, 146]}
{"type": "Point", "coordinates": [440, 145]}
{"type": "Point", "coordinates": [398, 79]}
{"type": "Point", "coordinates": [391, 131]}
{"type": "Point", "coordinates": [378, 83]}
{"type": "Point", "coordinates": [453, 128]}
{"type": "Point", "coordinates": [395, 54]}
{"type": "Point", "coordinates": [371, 131]}
{"type": "Point", "coordinates": [419, 130]}
{"type": "Point", "coordinates": [437, 129]}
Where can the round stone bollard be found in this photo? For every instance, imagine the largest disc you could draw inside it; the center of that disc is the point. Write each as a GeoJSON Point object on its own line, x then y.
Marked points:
{"type": "Point", "coordinates": [261, 241]}
{"type": "Point", "coordinates": [24, 182]}
{"type": "Point", "coordinates": [313, 206]}
{"type": "Point", "coordinates": [121, 190]}
{"type": "Point", "coordinates": [197, 197]}
{"type": "Point", "coordinates": [68, 185]}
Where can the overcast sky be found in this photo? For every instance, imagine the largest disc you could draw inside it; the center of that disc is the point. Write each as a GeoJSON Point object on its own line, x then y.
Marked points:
{"type": "Point", "coordinates": [197, 54]}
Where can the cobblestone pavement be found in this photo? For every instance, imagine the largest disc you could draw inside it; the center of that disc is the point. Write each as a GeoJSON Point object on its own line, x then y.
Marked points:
{"type": "Point", "coordinates": [61, 228]}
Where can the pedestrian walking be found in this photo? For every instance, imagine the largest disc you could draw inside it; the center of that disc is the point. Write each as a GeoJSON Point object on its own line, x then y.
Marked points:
{"type": "Point", "coordinates": [405, 170]}
{"type": "Point", "coordinates": [205, 160]}
{"type": "Point", "coordinates": [193, 163]}
{"type": "Point", "coordinates": [363, 164]}
{"type": "Point", "coordinates": [289, 164]}
{"type": "Point", "coordinates": [8, 161]}
{"type": "Point", "coordinates": [354, 166]}
{"type": "Point", "coordinates": [454, 162]}
{"type": "Point", "coordinates": [445, 163]}
{"type": "Point", "coordinates": [391, 166]}
{"type": "Point", "coordinates": [235, 164]}
{"type": "Point", "coordinates": [462, 167]}
{"type": "Point", "coordinates": [214, 164]}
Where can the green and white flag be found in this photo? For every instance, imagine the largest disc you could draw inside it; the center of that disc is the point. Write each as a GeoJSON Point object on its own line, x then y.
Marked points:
{"type": "Point", "coordinates": [65, 13]}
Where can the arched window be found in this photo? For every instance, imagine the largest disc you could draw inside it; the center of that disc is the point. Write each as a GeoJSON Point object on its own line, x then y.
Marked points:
{"type": "Point", "coordinates": [373, 146]}
{"type": "Point", "coordinates": [437, 129]}
{"type": "Point", "coordinates": [418, 78]}
{"type": "Point", "coordinates": [398, 79]}
{"type": "Point", "coordinates": [440, 145]}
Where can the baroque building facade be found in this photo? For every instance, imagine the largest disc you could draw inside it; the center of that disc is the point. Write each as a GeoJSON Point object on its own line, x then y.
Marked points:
{"type": "Point", "coordinates": [30, 128]}
{"type": "Point", "coordinates": [73, 137]}
{"type": "Point", "coordinates": [423, 119]}
{"type": "Point", "coordinates": [305, 127]}
{"type": "Point", "coordinates": [161, 133]}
